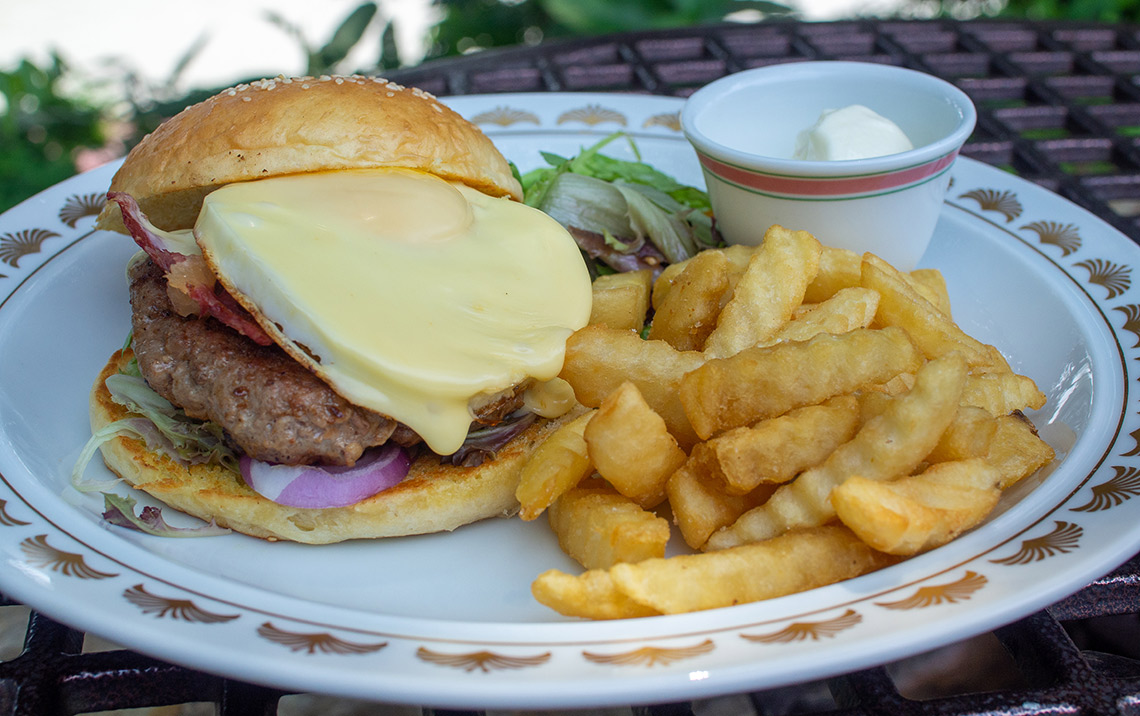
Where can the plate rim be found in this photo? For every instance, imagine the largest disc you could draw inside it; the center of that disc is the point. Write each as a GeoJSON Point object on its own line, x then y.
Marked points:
{"type": "Point", "coordinates": [710, 685]}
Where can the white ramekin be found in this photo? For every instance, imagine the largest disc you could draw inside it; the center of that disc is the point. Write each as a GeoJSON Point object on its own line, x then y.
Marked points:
{"type": "Point", "coordinates": [744, 127]}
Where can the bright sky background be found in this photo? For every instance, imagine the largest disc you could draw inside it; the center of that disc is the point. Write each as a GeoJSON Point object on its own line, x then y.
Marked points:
{"type": "Point", "coordinates": [151, 35]}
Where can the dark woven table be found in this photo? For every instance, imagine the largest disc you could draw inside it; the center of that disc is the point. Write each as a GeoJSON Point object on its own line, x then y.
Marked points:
{"type": "Point", "coordinates": [1058, 104]}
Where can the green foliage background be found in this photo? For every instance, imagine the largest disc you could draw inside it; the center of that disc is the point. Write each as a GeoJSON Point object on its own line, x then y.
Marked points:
{"type": "Point", "coordinates": [45, 123]}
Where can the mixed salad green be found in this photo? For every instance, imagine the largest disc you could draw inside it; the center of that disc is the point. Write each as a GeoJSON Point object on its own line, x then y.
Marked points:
{"type": "Point", "coordinates": [625, 215]}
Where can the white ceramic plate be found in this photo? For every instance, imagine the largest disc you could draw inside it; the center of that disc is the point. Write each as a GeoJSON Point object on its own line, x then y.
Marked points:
{"type": "Point", "coordinates": [448, 620]}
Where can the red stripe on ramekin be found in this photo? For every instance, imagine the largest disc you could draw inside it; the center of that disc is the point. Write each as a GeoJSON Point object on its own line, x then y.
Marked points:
{"type": "Point", "coordinates": [826, 186]}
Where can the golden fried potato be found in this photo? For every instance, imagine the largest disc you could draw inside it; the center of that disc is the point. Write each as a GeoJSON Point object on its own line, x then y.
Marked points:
{"type": "Point", "coordinates": [557, 465]}
{"type": "Point", "coordinates": [920, 512]}
{"type": "Point", "coordinates": [701, 506]}
{"type": "Point", "coordinates": [967, 436]}
{"type": "Point", "coordinates": [777, 449]}
{"type": "Point", "coordinates": [591, 595]}
{"type": "Point", "coordinates": [932, 331]}
{"type": "Point", "coordinates": [600, 527]}
{"type": "Point", "coordinates": [770, 289]}
{"type": "Point", "coordinates": [791, 563]}
{"type": "Point", "coordinates": [688, 313]}
{"type": "Point", "coordinates": [760, 383]}
{"type": "Point", "coordinates": [631, 446]}
{"type": "Point", "coordinates": [838, 269]}
{"type": "Point", "coordinates": [1002, 392]}
{"type": "Point", "coordinates": [621, 300]}
{"type": "Point", "coordinates": [1016, 450]}
{"type": "Point", "coordinates": [887, 446]}
{"type": "Point", "coordinates": [848, 309]}
{"type": "Point", "coordinates": [599, 359]}
{"type": "Point", "coordinates": [931, 285]}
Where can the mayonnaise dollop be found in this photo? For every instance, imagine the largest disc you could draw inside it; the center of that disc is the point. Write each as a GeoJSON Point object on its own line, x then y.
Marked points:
{"type": "Point", "coordinates": [853, 132]}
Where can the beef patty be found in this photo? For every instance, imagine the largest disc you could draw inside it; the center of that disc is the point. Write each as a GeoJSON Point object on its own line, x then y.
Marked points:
{"type": "Point", "coordinates": [270, 405]}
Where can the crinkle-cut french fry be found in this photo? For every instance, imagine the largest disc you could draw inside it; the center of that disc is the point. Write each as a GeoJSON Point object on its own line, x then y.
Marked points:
{"type": "Point", "coordinates": [1016, 449]}
{"type": "Point", "coordinates": [848, 309]}
{"type": "Point", "coordinates": [557, 465]}
{"type": "Point", "coordinates": [967, 436]}
{"type": "Point", "coordinates": [630, 445]}
{"type": "Point", "coordinates": [760, 383]}
{"type": "Point", "coordinates": [898, 385]}
{"type": "Point", "coordinates": [765, 296]}
{"type": "Point", "coordinates": [777, 449]}
{"type": "Point", "coordinates": [931, 330]}
{"type": "Point", "coordinates": [601, 527]}
{"type": "Point", "coordinates": [621, 300]}
{"type": "Point", "coordinates": [887, 446]}
{"type": "Point", "coordinates": [599, 359]}
{"type": "Point", "coordinates": [920, 512]}
{"type": "Point", "coordinates": [688, 313]}
{"type": "Point", "coordinates": [737, 256]}
{"type": "Point", "coordinates": [1001, 393]}
{"type": "Point", "coordinates": [788, 564]}
{"type": "Point", "coordinates": [701, 506]}
{"type": "Point", "coordinates": [931, 285]}
{"type": "Point", "coordinates": [591, 595]}
{"type": "Point", "coordinates": [838, 269]}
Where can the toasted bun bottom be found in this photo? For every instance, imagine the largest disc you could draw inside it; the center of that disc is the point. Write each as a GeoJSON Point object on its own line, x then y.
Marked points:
{"type": "Point", "coordinates": [434, 497]}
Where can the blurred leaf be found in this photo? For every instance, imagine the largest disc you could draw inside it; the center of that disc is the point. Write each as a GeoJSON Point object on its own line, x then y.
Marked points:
{"type": "Point", "coordinates": [472, 24]}
{"type": "Point", "coordinates": [389, 52]}
{"type": "Point", "coordinates": [465, 24]}
{"type": "Point", "coordinates": [186, 58]}
{"type": "Point", "coordinates": [597, 16]}
{"type": "Point", "coordinates": [40, 129]}
{"type": "Point", "coordinates": [346, 36]}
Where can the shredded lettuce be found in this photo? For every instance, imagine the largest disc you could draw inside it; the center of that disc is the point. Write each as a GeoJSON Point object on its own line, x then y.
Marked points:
{"type": "Point", "coordinates": [164, 428]}
{"type": "Point", "coordinates": [627, 202]}
{"type": "Point", "coordinates": [120, 511]}
{"type": "Point", "coordinates": [191, 441]}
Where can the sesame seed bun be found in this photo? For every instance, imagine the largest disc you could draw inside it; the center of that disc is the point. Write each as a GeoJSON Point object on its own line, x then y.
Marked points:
{"type": "Point", "coordinates": [434, 497]}
{"type": "Point", "coordinates": [283, 126]}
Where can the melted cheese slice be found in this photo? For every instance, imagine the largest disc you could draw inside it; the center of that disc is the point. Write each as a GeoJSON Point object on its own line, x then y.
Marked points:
{"type": "Point", "coordinates": [409, 295]}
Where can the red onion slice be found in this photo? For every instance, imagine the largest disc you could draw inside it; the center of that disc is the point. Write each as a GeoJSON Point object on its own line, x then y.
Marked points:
{"type": "Point", "coordinates": [316, 487]}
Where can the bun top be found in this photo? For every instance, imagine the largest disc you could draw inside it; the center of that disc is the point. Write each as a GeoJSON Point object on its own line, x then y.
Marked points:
{"type": "Point", "coordinates": [283, 126]}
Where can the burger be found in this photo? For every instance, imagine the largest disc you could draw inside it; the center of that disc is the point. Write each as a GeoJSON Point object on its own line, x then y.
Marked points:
{"type": "Point", "coordinates": [344, 308]}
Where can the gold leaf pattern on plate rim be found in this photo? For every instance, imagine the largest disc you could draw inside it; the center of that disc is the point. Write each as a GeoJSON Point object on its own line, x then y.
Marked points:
{"type": "Point", "coordinates": [7, 519]}
{"type": "Point", "coordinates": [1004, 202]}
{"type": "Point", "coordinates": [1124, 486]}
{"type": "Point", "coordinates": [1064, 538]}
{"type": "Point", "coordinates": [179, 609]}
{"type": "Point", "coordinates": [71, 564]}
{"type": "Point", "coordinates": [15, 246]}
{"type": "Point", "coordinates": [504, 116]}
{"type": "Point", "coordinates": [803, 631]}
{"type": "Point", "coordinates": [935, 594]}
{"type": "Point", "coordinates": [483, 661]}
{"type": "Point", "coordinates": [651, 655]}
{"type": "Point", "coordinates": [314, 642]}
{"type": "Point", "coordinates": [593, 115]}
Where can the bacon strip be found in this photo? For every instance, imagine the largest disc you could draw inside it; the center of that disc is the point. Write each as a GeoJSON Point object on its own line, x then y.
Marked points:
{"type": "Point", "coordinates": [212, 300]}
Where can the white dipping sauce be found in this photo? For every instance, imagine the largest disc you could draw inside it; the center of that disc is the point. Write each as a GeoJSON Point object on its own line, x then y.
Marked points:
{"type": "Point", "coordinates": [853, 132]}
